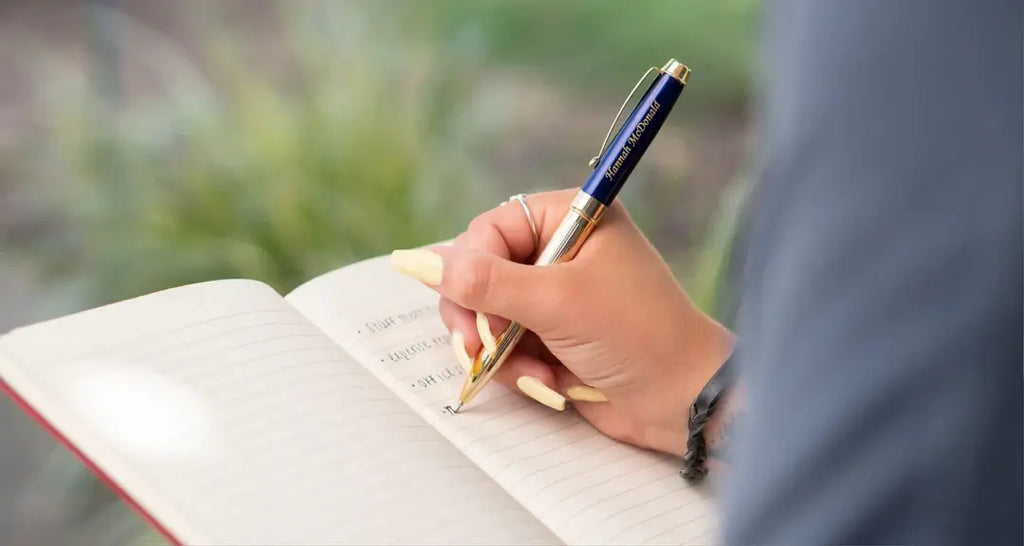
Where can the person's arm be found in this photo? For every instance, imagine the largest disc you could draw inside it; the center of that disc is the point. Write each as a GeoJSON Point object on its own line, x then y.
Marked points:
{"type": "Point", "coordinates": [881, 314]}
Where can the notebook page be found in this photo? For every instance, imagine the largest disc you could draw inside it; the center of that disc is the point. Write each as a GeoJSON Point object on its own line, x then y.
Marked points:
{"type": "Point", "coordinates": [586, 487]}
{"type": "Point", "coordinates": [231, 419]}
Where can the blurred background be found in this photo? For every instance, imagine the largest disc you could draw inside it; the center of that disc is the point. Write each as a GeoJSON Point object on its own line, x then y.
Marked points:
{"type": "Point", "coordinates": [148, 144]}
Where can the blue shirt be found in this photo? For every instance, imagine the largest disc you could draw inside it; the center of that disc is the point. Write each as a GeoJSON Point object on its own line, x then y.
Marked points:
{"type": "Point", "coordinates": [881, 287]}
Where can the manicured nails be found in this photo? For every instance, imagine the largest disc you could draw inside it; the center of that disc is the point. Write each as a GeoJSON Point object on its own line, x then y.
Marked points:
{"type": "Point", "coordinates": [584, 393]}
{"type": "Point", "coordinates": [424, 265]}
{"type": "Point", "coordinates": [483, 327]}
{"type": "Point", "coordinates": [534, 388]}
{"type": "Point", "coordinates": [459, 346]}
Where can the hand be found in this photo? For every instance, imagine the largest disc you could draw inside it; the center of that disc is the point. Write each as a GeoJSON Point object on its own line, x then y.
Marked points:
{"type": "Point", "coordinates": [611, 330]}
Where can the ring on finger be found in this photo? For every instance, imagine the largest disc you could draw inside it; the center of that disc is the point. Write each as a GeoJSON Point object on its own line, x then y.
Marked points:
{"type": "Point", "coordinates": [529, 217]}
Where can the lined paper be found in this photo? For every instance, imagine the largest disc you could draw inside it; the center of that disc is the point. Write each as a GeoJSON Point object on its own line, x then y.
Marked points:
{"type": "Point", "coordinates": [584, 486]}
{"type": "Point", "coordinates": [233, 420]}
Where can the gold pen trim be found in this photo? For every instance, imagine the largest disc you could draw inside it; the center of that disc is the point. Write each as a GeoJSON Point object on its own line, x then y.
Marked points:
{"type": "Point", "coordinates": [677, 70]}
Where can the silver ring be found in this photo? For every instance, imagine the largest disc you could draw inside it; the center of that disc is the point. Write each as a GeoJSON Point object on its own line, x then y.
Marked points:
{"type": "Point", "coordinates": [529, 217]}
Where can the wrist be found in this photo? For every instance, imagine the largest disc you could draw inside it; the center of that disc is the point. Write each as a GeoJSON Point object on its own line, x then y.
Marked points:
{"type": "Point", "coordinates": [686, 377]}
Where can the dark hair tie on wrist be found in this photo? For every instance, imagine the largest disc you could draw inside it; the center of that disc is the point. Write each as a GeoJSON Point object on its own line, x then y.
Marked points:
{"type": "Point", "coordinates": [703, 408]}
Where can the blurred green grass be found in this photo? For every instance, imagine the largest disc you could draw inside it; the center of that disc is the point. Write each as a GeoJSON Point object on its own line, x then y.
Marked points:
{"type": "Point", "coordinates": [370, 135]}
{"type": "Point", "coordinates": [365, 149]}
{"type": "Point", "coordinates": [600, 46]}
{"type": "Point", "coordinates": [368, 140]}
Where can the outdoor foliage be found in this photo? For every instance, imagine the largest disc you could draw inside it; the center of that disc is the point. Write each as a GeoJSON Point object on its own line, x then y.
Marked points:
{"type": "Point", "coordinates": [362, 151]}
{"type": "Point", "coordinates": [595, 46]}
{"type": "Point", "coordinates": [365, 138]}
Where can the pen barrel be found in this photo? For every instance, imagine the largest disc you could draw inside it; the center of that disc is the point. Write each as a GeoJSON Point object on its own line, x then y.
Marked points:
{"type": "Point", "coordinates": [633, 138]}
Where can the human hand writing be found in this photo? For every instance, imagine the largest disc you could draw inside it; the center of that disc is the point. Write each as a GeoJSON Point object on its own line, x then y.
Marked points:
{"type": "Point", "coordinates": [611, 330]}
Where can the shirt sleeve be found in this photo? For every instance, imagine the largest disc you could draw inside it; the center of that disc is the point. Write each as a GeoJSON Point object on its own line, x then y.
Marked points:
{"type": "Point", "coordinates": [880, 324]}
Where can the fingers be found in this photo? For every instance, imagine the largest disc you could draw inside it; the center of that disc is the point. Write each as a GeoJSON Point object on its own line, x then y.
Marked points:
{"type": "Point", "coordinates": [478, 280]}
{"type": "Point", "coordinates": [574, 389]}
{"type": "Point", "coordinates": [488, 284]}
{"type": "Point", "coordinates": [531, 377]}
{"type": "Point", "coordinates": [505, 230]}
{"type": "Point", "coordinates": [548, 384]}
{"type": "Point", "coordinates": [483, 285]}
{"type": "Point", "coordinates": [521, 368]}
{"type": "Point", "coordinates": [526, 373]}
{"type": "Point", "coordinates": [604, 415]}
{"type": "Point", "coordinates": [459, 319]}
{"type": "Point", "coordinates": [541, 392]}
{"type": "Point", "coordinates": [483, 329]}
{"type": "Point", "coordinates": [461, 354]}
{"type": "Point", "coordinates": [475, 329]}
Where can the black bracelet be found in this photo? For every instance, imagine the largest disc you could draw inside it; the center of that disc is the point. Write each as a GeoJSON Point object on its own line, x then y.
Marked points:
{"type": "Point", "coordinates": [694, 469]}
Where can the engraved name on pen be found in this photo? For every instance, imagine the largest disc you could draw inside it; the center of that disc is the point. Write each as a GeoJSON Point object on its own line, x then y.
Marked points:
{"type": "Point", "coordinates": [631, 142]}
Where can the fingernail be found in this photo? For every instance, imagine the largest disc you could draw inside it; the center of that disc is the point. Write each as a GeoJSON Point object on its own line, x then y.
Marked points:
{"type": "Point", "coordinates": [459, 346]}
{"type": "Point", "coordinates": [534, 388]}
{"type": "Point", "coordinates": [584, 393]}
{"type": "Point", "coordinates": [483, 326]}
{"type": "Point", "coordinates": [419, 263]}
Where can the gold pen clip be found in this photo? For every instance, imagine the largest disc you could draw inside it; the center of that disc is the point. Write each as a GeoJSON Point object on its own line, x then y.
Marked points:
{"type": "Point", "coordinates": [673, 67]}
{"type": "Point", "coordinates": [597, 158]}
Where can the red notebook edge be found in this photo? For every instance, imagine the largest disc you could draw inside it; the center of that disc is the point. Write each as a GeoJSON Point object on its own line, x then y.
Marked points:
{"type": "Point", "coordinates": [93, 467]}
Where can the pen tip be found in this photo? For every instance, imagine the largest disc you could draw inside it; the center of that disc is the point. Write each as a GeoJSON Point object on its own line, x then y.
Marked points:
{"type": "Point", "coordinates": [458, 407]}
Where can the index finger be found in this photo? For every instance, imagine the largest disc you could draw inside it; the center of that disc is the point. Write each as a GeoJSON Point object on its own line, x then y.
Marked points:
{"type": "Point", "coordinates": [505, 230]}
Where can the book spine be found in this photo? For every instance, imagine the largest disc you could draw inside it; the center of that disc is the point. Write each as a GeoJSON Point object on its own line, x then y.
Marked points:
{"type": "Point", "coordinates": [93, 467]}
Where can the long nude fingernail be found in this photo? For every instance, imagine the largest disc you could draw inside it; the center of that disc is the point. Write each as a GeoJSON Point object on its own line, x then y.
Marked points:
{"type": "Point", "coordinates": [419, 263]}
{"type": "Point", "coordinates": [483, 326]}
{"type": "Point", "coordinates": [459, 346]}
{"type": "Point", "coordinates": [534, 388]}
{"type": "Point", "coordinates": [584, 393]}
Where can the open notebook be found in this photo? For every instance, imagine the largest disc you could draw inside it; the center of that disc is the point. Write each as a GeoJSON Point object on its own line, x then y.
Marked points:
{"type": "Point", "coordinates": [227, 414]}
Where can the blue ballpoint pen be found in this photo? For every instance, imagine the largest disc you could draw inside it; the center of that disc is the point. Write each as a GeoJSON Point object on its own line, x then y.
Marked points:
{"type": "Point", "coordinates": [611, 169]}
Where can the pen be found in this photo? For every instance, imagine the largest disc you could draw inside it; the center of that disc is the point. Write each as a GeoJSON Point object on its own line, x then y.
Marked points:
{"type": "Point", "coordinates": [611, 169]}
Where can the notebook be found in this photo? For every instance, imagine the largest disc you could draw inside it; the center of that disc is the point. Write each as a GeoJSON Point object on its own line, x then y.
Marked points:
{"type": "Point", "coordinates": [226, 413]}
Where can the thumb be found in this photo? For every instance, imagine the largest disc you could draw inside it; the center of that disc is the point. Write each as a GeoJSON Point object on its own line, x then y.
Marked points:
{"type": "Point", "coordinates": [484, 282]}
